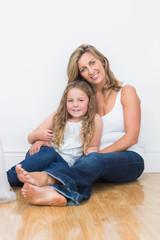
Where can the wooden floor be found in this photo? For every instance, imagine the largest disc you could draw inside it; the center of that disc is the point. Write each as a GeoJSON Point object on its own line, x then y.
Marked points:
{"type": "Point", "coordinates": [115, 212]}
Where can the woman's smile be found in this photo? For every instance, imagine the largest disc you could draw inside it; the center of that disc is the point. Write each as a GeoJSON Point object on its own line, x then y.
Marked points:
{"type": "Point", "coordinates": [91, 69]}
{"type": "Point", "coordinates": [95, 76]}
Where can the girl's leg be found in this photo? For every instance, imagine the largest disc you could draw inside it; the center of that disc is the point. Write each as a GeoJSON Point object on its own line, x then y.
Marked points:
{"type": "Point", "coordinates": [36, 162]}
{"type": "Point", "coordinates": [27, 154]}
{"type": "Point", "coordinates": [41, 178]}
{"type": "Point", "coordinates": [43, 195]}
{"type": "Point", "coordinates": [67, 177]}
{"type": "Point", "coordinates": [76, 180]}
{"type": "Point", "coordinates": [83, 173]}
{"type": "Point", "coordinates": [34, 178]}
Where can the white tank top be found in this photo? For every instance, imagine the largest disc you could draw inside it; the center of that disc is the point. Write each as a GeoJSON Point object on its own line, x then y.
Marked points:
{"type": "Point", "coordinates": [113, 127]}
{"type": "Point", "coordinates": [71, 149]}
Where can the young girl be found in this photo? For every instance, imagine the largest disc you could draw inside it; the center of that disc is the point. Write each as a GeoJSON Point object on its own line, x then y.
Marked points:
{"type": "Point", "coordinates": [75, 128]}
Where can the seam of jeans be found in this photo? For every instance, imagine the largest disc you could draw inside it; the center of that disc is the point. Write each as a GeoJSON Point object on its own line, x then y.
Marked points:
{"type": "Point", "coordinates": [65, 184]}
{"type": "Point", "coordinates": [128, 164]}
{"type": "Point", "coordinates": [75, 200]}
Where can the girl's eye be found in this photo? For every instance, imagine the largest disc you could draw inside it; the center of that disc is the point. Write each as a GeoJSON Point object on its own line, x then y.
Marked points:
{"type": "Point", "coordinates": [81, 100]}
{"type": "Point", "coordinates": [70, 100]}
{"type": "Point", "coordinates": [93, 62]}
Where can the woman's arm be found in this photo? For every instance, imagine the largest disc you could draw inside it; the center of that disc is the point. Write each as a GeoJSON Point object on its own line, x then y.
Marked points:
{"type": "Point", "coordinates": [43, 132]}
{"type": "Point", "coordinates": [132, 119]}
{"type": "Point", "coordinates": [94, 145]}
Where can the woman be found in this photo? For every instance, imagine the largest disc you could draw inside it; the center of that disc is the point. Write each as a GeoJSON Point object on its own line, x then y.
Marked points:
{"type": "Point", "coordinates": [120, 158]}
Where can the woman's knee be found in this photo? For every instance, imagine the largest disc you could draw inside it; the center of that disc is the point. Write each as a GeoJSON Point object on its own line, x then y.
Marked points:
{"type": "Point", "coordinates": [124, 173]}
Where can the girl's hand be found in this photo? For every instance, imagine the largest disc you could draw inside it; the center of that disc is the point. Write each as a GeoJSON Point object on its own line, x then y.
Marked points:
{"type": "Point", "coordinates": [45, 135]}
{"type": "Point", "coordinates": [91, 149]}
{"type": "Point", "coordinates": [37, 146]}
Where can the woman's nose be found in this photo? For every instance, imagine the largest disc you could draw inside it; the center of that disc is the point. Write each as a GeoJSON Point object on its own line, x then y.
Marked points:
{"type": "Point", "coordinates": [90, 70]}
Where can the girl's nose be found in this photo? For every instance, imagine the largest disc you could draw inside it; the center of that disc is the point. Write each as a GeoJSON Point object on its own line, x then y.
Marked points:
{"type": "Point", "coordinates": [75, 103]}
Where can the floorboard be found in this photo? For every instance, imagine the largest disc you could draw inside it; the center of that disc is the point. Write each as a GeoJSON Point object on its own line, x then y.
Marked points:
{"type": "Point", "coordinates": [114, 212]}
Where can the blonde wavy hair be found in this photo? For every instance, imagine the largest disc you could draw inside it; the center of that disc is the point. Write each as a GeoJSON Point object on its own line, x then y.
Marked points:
{"type": "Point", "coordinates": [74, 73]}
{"type": "Point", "coordinates": [61, 117]}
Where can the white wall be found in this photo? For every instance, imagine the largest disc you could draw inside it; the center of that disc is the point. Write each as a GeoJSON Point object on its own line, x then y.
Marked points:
{"type": "Point", "coordinates": [36, 40]}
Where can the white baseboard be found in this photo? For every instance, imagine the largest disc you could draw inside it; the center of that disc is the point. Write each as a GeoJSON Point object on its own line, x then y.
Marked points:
{"type": "Point", "coordinates": [152, 160]}
{"type": "Point", "coordinates": [12, 158]}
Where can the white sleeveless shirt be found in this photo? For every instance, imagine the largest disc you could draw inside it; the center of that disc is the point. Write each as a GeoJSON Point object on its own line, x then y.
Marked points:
{"type": "Point", "coordinates": [113, 127]}
{"type": "Point", "coordinates": [71, 148]}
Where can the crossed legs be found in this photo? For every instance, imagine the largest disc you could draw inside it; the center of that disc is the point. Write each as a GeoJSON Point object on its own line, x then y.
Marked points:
{"type": "Point", "coordinates": [36, 189]}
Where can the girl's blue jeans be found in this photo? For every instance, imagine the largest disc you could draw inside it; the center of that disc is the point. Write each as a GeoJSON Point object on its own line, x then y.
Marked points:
{"type": "Point", "coordinates": [117, 167]}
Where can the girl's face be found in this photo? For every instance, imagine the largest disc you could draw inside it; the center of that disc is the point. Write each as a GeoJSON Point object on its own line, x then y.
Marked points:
{"type": "Point", "coordinates": [77, 104]}
{"type": "Point", "coordinates": [92, 69]}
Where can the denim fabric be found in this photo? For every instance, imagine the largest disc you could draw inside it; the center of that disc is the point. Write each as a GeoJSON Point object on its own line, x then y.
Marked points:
{"type": "Point", "coordinates": [37, 162]}
{"type": "Point", "coordinates": [118, 167]}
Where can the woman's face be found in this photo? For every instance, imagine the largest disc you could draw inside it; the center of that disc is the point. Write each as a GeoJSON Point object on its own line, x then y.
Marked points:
{"type": "Point", "coordinates": [92, 69]}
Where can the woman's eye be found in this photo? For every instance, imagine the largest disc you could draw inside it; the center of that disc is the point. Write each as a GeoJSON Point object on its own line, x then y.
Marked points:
{"type": "Point", "coordinates": [83, 69]}
{"type": "Point", "coordinates": [93, 62]}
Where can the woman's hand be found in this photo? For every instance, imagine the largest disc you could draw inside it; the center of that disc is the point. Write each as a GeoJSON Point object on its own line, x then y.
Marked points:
{"type": "Point", "coordinates": [43, 132]}
{"type": "Point", "coordinates": [45, 135]}
{"type": "Point", "coordinates": [37, 146]}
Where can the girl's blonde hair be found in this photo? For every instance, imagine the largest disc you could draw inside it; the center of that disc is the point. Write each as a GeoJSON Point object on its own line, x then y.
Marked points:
{"type": "Point", "coordinates": [73, 70]}
{"type": "Point", "coordinates": [61, 117]}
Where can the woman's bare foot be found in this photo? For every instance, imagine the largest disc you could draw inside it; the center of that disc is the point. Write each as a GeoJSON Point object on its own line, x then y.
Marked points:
{"type": "Point", "coordinates": [35, 178]}
{"type": "Point", "coordinates": [45, 195]}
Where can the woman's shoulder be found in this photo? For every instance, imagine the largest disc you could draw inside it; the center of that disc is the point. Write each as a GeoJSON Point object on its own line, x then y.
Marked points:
{"type": "Point", "coordinates": [127, 88]}
{"type": "Point", "coordinates": [128, 92]}
{"type": "Point", "coordinates": [125, 85]}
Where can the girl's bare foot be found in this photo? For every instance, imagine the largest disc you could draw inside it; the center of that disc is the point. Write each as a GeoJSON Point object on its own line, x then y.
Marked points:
{"type": "Point", "coordinates": [45, 195]}
{"type": "Point", "coordinates": [34, 178]}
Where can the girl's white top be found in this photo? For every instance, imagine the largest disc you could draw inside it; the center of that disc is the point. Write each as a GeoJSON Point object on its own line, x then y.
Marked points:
{"type": "Point", "coordinates": [72, 148]}
{"type": "Point", "coordinates": [113, 127]}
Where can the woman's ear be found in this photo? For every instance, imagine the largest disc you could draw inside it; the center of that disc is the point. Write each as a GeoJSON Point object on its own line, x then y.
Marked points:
{"type": "Point", "coordinates": [103, 63]}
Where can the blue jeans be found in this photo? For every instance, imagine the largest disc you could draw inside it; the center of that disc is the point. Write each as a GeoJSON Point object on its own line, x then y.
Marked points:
{"type": "Point", "coordinates": [37, 162]}
{"type": "Point", "coordinates": [117, 167]}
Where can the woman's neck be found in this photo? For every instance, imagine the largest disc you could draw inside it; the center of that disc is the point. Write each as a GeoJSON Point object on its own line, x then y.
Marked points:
{"type": "Point", "coordinates": [98, 88]}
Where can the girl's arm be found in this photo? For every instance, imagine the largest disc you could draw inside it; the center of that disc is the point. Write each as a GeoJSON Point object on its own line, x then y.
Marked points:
{"type": "Point", "coordinates": [94, 145]}
{"type": "Point", "coordinates": [43, 132]}
{"type": "Point", "coordinates": [132, 119]}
